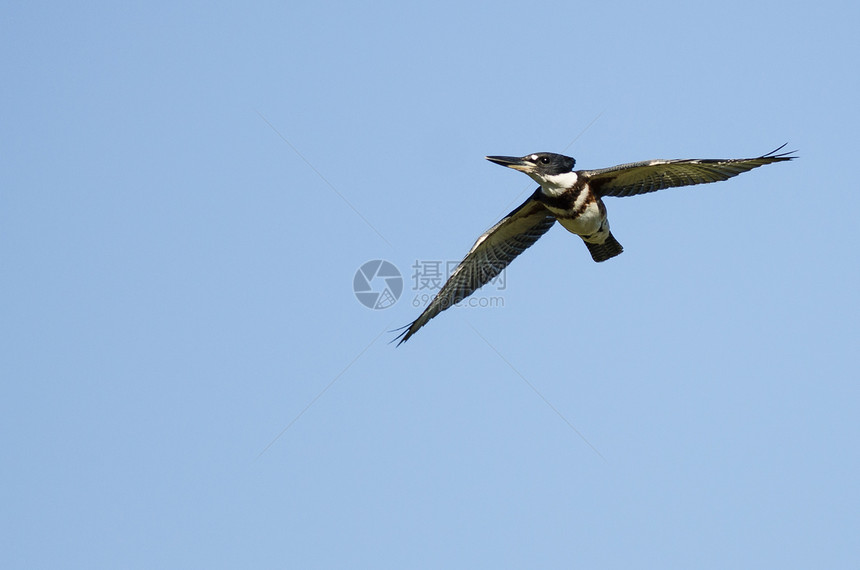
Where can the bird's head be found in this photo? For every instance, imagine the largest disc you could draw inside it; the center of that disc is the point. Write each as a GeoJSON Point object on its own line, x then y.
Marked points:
{"type": "Point", "coordinates": [545, 168]}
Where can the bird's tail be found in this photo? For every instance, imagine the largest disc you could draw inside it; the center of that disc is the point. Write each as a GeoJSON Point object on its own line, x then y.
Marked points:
{"type": "Point", "coordinates": [603, 251]}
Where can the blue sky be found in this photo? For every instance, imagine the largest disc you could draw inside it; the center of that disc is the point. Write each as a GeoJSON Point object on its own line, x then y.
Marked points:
{"type": "Point", "coordinates": [187, 191]}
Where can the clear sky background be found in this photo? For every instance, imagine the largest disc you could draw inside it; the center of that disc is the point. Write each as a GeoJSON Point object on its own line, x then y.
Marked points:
{"type": "Point", "coordinates": [177, 288]}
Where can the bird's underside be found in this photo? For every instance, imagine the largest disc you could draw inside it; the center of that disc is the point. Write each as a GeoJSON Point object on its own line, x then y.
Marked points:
{"type": "Point", "coordinates": [574, 198]}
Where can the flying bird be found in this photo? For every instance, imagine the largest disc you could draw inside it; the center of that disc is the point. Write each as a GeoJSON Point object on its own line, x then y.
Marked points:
{"type": "Point", "coordinates": [574, 198]}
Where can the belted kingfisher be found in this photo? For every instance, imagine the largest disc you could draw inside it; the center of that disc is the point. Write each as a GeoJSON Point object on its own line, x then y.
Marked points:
{"type": "Point", "coordinates": [574, 198]}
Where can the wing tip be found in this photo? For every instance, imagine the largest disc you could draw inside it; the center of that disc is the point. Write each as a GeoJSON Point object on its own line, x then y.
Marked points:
{"type": "Point", "coordinates": [775, 154]}
{"type": "Point", "coordinates": [402, 336]}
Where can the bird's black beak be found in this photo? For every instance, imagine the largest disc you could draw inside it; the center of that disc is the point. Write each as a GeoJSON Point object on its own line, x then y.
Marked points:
{"type": "Point", "coordinates": [512, 162]}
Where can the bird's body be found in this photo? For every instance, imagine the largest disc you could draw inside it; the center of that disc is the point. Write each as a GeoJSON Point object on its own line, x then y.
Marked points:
{"type": "Point", "coordinates": [570, 200]}
{"type": "Point", "coordinates": [574, 199]}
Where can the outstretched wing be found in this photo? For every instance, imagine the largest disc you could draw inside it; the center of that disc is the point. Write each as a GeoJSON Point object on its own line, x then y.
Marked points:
{"type": "Point", "coordinates": [493, 251]}
{"type": "Point", "coordinates": [653, 175]}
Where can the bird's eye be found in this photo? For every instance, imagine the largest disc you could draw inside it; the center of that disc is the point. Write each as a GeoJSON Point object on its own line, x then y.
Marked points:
{"type": "Point", "coordinates": [544, 160]}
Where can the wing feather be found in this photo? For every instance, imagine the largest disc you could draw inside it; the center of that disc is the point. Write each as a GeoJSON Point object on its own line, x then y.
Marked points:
{"type": "Point", "coordinates": [653, 175]}
{"type": "Point", "coordinates": [492, 252]}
